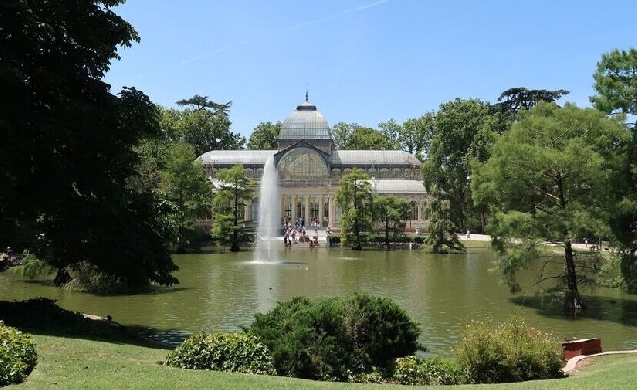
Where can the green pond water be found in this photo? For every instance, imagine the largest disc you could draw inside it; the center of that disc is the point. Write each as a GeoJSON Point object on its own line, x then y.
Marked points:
{"type": "Point", "coordinates": [221, 292]}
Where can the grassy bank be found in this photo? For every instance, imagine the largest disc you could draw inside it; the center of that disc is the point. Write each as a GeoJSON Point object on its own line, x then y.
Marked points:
{"type": "Point", "coordinates": [75, 363]}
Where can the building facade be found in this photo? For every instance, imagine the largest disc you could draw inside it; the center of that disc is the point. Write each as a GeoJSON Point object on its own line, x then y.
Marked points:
{"type": "Point", "coordinates": [309, 169]}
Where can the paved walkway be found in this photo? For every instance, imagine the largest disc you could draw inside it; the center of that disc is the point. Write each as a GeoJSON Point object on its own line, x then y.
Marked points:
{"type": "Point", "coordinates": [485, 237]}
{"type": "Point", "coordinates": [571, 365]}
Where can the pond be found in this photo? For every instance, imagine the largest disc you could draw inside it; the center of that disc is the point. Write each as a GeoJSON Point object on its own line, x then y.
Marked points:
{"type": "Point", "coordinates": [221, 292]}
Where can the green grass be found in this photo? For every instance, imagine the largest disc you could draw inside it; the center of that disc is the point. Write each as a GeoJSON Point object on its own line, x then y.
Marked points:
{"type": "Point", "coordinates": [74, 363]}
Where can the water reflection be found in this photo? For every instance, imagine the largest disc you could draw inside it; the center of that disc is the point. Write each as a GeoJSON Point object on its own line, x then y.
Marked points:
{"type": "Point", "coordinates": [222, 292]}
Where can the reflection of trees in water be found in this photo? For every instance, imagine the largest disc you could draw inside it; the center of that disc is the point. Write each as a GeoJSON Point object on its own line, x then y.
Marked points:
{"type": "Point", "coordinates": [605, 308]}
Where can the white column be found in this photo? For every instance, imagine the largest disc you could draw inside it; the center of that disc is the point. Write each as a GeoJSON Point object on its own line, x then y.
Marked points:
{"type": "Point", "coordinates": [307, 209]}
{"type": "Point", "coordinates": [332, 211]}
{"type": "Point", "coordinates": [320, 209]}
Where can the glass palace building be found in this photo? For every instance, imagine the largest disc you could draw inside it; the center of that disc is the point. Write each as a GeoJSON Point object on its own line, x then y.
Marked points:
{"type": "Point", "coordinates": [310, 167]}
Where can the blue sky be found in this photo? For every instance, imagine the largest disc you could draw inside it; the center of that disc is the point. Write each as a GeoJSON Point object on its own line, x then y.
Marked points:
{"type": "Point", "coordinates": [364, 61]}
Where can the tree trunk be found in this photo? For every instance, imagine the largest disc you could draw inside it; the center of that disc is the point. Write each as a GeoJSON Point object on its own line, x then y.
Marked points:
{"type": "Point", "coordinates": [571, 276]}
{"type": "Point", "coordinates": [386, 234]}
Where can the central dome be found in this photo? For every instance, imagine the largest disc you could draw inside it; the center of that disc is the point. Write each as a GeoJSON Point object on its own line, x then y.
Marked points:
{"type": "Point", "coordinates": [306, 123]}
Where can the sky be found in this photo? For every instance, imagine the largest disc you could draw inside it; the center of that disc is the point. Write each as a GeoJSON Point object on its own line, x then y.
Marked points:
{"type": "Point", "coordinates": [364, 61]}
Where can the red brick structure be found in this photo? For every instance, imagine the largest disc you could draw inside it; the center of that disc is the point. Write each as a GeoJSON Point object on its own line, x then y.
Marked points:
{"type": "Point", "coordinates": [578, 347]}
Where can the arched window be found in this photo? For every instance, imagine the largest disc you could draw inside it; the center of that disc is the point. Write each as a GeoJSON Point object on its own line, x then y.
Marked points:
{"type": "Point", "coordinates": [302, 163]}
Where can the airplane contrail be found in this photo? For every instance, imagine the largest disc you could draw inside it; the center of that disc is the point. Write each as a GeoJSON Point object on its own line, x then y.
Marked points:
{"type": "Point", "coordinates": [294, 27]}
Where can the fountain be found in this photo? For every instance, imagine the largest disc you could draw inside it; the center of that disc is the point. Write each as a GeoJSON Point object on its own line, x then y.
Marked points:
{"type": "Point", "coordinates": [269, 214]}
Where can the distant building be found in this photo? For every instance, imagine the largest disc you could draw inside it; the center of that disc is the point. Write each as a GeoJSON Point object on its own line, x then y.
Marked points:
{"type": "Point", "coordinates": [310, 168]}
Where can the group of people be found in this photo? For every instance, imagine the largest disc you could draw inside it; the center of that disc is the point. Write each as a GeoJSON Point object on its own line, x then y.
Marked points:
{"type": "Point", "coordinates": [295, 233]}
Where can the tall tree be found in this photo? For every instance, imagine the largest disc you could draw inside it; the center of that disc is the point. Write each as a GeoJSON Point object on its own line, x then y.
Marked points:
{"type": "Point", "coordinates": [184, 183]}
{"type": "Point", "coordinates": [616, 87]}
{"type": "Point", "coordinates": [341, 132]}
{"type": "Point", "coordinates": [519, 98]}
{"type": "Point", "coordinates": [463, 132]}
{"type": "Point", "coordinates": [205, 125]}
{"type": "Point", "coordinates": [390, 213]}
{"type": "Point", "coordinates": [354, 197]}
{"type": "Point", "coordinates": [548, 179]}
{"type": "Point", "coordinates": [416, 134]}
{"type": "Point", "coordinates": [443, 236]}
{"type": "Point", "coordinates": [233, 191]}
{"type": "Point", "coordinates": [264, 136]}
{"type": "Point", "coordinates": [392, 131]}
{"type": "Point", "coordinates": [616, 82]}
{"type": "Point", "coordinates": [68, 145]}
{"type": "Point", "coordinates": [365, 138]}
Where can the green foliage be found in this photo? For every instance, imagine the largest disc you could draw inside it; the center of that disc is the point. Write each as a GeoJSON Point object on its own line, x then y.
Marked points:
{"type": "Point", "coordinates": [389, 215]}
{"type": "Point", "coordinates": [42, 315]}
{"type": "Point", "coordinates": [549, 179]}
{"type": "Point", "coordinates": [508, 352]}
{"type": "Point", "coordinates": [183, 182]}
{"type": "Point", "coordinates": [463, 132]}
{"type": "Point", "coordinates": [33, 268]}
{"type": "Point", "coordinates": [442, 236]}
{"type": "Point", "coordinates": [354, 197]}
{"type": "Point", "coordinates": [206, 125]}
{"type": "Point", "coordinates": [414, 371]}
{"type": "Point", "coordinates": [365, 138]}
{"type": "Point", "coordinates": [616, 82]}
{"type": "Point", "coordinates": [264, 136]}
{"type": "Point", "coordinates": [17, 355]}
{"type": "Point", "coordinates": [67, 169]}
{"type": "Point", "coordinates": [416, 133]}
{"type": "Point", "coordinates": [233, 191]}
{"type": "Point", "coordinates": [336, 338]}
{"type": "Point", "coordinates": [231, 352]}
{"type": "Point", "coordinates": [513, 100]}
{"type": "Point", "coordinates": [88, 278]}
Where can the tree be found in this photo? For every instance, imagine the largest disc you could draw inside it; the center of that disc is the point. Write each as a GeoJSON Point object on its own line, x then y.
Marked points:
{"type": "Point", "coordinates": [416, 133]}
{"type": "Point", "coordinates": [390, 212]}
{"type": "Point", "coordinates": [354, 197]}
{"type": "Point", "coordinates": [233, 191]}
{"type": "Point", "coordinates": [206, 125]}
{"type": "Point", "coordinates": [547, 180]}
{"type": "Point", "coordinates": [616, 82]}
{"type": "Point", "coordinates": [392, 131]}
{"type": "Point", "coordinates": [68, 145]}
{"type": "Point", "coordinates": [616, 85]}
{"type": "Point", "coordinates": [515, 99]}
{"type": "Point", "coordinates": [264, 136]}
{"type": "Point", "coordinates": [463, 132]}
{"type": "Point", "coordinates": [442, 236]}
{"type": "Point", "coordinates": [341, 132]}
{"type": "Point", "coordinates": [365, 138]}
{"type": "Point", "coordinates": [184, 183]}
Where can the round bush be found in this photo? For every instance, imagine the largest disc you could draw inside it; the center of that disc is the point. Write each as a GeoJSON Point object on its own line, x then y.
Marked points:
{"type": "Point", "coordinates": [232, 352]}
{"type": "Point", "coordinates": [509, 352]}
{"type": "Point", "coordinates": [17, 355]}
{"type": "Point", "coordinates": [336, 338]}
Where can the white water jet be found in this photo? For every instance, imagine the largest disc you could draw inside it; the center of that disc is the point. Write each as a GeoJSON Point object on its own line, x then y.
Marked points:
{"type": "Point", "coordinates": [269, 213]}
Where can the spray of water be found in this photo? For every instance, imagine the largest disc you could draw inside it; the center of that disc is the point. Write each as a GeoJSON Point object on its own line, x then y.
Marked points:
{"type": "Point", "coordinates": [269, 213]}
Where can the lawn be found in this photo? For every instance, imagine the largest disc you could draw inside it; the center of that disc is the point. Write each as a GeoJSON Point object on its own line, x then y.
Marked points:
{"type": "Point", "coordinates": [77, 363]}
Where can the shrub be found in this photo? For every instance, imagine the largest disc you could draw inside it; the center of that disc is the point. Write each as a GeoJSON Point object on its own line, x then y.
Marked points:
{"type": "Point", "coordinates": [232, 352]}
{"type": "Point", "coordinates": [411, 370]}
{"type": "Point", "coordinates": [336, 338]}
{"type": "Point", "coordinates": [509, 352]}
{"type": "Point", "coordinates": [17, 355]}
{"type": "Point", "coordinates": [44, 315]}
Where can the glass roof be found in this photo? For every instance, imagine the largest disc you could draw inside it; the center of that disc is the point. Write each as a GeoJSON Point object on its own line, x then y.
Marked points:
{"type": "Point", "coordinates": [381, 157]}
{"type": "Point", "coordinates": [305, 123]}
{"type": "Point", "coordinates": [398, 186]}
{"type": "Point", "coordinates": [236, 157]}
